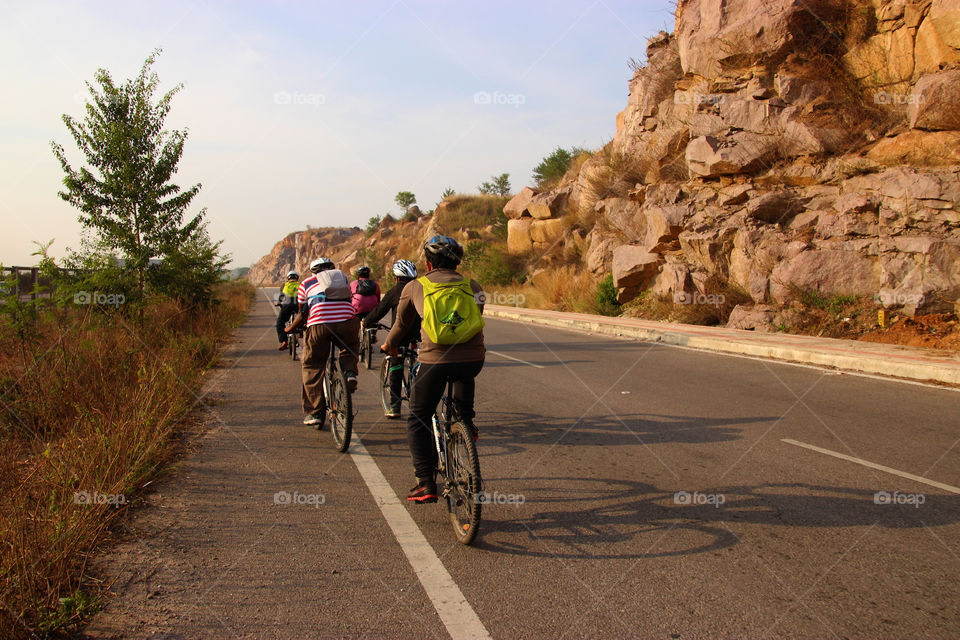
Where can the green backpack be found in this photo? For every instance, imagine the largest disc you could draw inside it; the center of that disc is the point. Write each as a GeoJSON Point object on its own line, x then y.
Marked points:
{"type": "Point", "coordinates": [450, 312]}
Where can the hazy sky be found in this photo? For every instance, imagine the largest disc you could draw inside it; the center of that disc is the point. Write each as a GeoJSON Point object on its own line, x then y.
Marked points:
{"type": "Point", "coordinates": [316, 112]}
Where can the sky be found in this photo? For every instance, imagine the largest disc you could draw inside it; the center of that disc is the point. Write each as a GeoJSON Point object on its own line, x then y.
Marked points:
{"type": "Point", "coordinates": [315, 113]}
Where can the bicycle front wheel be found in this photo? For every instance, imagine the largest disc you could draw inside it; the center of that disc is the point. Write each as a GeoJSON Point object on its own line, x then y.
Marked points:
{"type": "Point", "coordinates": [340, 411]}
{"type": "Point", "coordinates": [368, 343]}
{"type": "Point", "coordinates": [464, 490]}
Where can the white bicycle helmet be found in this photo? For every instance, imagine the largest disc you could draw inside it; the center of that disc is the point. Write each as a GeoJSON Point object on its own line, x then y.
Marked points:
{"type": "Point", "coordinates": [292, 275]}
{"type": "Point", "coordinates": [321, 264]}
{"type": "Point", "coordinates": [404, 269]}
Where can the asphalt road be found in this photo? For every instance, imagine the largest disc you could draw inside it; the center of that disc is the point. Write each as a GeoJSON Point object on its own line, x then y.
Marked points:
{"type": "Point", "coordinates": [646, 491]}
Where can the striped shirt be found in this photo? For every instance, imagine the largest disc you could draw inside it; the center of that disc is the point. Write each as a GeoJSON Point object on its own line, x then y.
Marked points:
{"type": "Point", "coordinates": [323, 311]}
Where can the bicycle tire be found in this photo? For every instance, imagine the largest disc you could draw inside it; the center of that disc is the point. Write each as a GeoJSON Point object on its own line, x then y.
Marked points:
{"type": "Point", "coordinates": [463, 484]}
{"type": "Point", "coordinates": [292, 345]}
{"type": "Point", "coordinates": [385, 384]}
{"type": "Point", "coordinates": [368, 341]}
{"type": "Point", "coordinates": [340, 411]}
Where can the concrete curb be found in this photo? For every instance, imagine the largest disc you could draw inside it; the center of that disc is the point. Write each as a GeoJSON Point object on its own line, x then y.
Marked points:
{"type": "Point", "coordinates": [887, 360]}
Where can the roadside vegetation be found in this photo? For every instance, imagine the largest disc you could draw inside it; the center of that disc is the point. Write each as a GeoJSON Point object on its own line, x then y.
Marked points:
{"type": "Point", "coordinates": [103, 368]}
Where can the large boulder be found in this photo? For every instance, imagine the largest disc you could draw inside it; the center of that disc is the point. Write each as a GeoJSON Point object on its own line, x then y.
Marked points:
{"type": "Point", "coordinates": [742, 152]}
{"type": "Point", "coordinates": [625, 216]}
{"type": "Point", "coordinates": [518, 235]}
{"type": "Point", "coordinates": [883, 60]}
{"type": "Point", "coordinates": [918, 148]}
{"type": "Point", "coordinates": [600, 253]}
{"type": "Point", "coordinates": [716, 35]}
{"type": "Point", "coordinates": [757, 318]}
{"type": "Point", "coordinates": [633, 266]}
{"type": "Point", "coordinates": [937, 42]}
{"type": "Point", "coordinates": [546, 231]}
{"type": "Point", "coordinates": [830, 271]}
{"type": "Point", "coordinates": [517, 205]}
{"type": "Point", "coordinates": [549, 204]}
{"type": "Point", "coordinates": [664, 224]}
{"type": "Point", "coordinates": [773, 207]}
{"type": "Point", "coordinates": [935, 102]}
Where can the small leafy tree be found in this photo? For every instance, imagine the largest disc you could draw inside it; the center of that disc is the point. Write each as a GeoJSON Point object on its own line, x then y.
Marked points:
{"type": "Point", "coordinates": [552, 168]}
{"type": "Point", "coordinates": [447, 193]}
{"type": "Point", "coordinates": [405, 199]}
{"type": "Point", "coordinates": [498, 186]}
{"type": "Point", "coordinates": [126, 195]}
{"type": "Point", "coordinates": [190, 272]}
{"type": "Point", "coordinates": [373, 224]}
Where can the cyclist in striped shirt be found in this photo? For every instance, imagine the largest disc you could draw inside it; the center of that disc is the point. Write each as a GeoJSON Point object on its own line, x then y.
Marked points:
{"type": "Point", "coordinates": [324, 300]}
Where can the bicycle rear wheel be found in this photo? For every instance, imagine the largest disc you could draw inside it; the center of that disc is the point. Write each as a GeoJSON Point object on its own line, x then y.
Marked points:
{"type": "Point", "coordinates": [292, 345]}
{"type": "Point", "coordinates": [368, 343]}
{"type": "Point", "coordinates": [385, 384]}
{"type": "Point", "coordinates": [341, 411]}
{"type": "Point", "coordinates": [463, 490]}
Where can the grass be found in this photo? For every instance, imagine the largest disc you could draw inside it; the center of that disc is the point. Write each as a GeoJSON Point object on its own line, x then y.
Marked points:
{"type": "Point", "coordinates": [89, 410]}
{"type": "Point", "coordinates": [469, 212]}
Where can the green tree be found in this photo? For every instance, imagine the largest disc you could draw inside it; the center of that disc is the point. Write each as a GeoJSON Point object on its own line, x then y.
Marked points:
{"type": "Point", "coordinates": [552, 168]}
{"type": "Point", "coordinates": [190, 272]}
{"type": "Point", "coordinates": [447, 193]}
{"type": "Point", "coordinates": [126, 195]}
{"type": "Point", "coordinates": [498, 186]}
{"type": "Point", "coordinates": [405, 200]}
{"type": "Point", "coordinates": [373, 224]}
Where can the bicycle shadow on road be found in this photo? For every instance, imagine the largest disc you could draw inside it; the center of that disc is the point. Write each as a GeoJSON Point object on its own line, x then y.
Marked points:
{"type": "Point", "coordinates": [505, 433]}
{"type": "Point", "coordinates": [627, 519]}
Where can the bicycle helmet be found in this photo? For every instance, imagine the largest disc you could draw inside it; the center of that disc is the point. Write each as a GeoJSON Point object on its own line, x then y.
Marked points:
{"type": "Point", "coordinates": [363, 272]}
{"type": "Point", "coordinates": [321, 264]}
{"type": "Point", "coordinates": [293, 275]}
{"type": "Point", "coordinates": [444, 247]}
{"type": "Point", "coordinates": [405, 269]}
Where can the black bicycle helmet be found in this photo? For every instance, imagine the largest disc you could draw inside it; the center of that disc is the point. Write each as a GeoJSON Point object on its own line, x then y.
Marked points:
{"type": "Point", "coordinates": [363, 272]}
{"type": "Point", "coordinates": [443, 247]}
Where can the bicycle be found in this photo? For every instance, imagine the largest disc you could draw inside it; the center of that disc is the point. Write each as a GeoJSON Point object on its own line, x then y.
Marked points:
{"type": "Point", "coordinates": [459, 464]}
{"type": "Point", "coordinates": [293, 341]}
{"type": "Point", "coordinates": [366, 345]}
{"type": "Point", "coordinates": [407, 360]}
{"type": "Point", "coordinates": [339, 403]}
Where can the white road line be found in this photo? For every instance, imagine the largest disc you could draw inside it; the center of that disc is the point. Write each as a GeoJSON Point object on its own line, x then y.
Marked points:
{"type": "Point", "coordinates": [455, 612]}
{"type": "Point", "coordinates": [873, 465]}
{"type": "Point", "coordinates": [503, 355]}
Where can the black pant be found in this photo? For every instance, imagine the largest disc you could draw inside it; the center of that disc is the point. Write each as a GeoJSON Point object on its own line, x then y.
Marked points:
{"type": "Point", "coordinates": [428, 387]}
{"type": "Point", "coordinates": [286, 312]}
{"type": "Point", "coordinates": [395, 380]}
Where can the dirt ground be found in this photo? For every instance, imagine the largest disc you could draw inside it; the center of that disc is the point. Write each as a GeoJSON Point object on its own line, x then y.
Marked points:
{"type": "Point", "coordinates": [935, 331]}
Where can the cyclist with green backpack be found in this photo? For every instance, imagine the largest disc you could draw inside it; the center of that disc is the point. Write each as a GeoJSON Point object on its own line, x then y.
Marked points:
{"type": "Point", "coordinates": [451, 348]}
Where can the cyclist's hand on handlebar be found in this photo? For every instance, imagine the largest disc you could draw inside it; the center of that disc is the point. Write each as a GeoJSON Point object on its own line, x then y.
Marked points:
{"type": "Point", "coordinates": [391, 351]}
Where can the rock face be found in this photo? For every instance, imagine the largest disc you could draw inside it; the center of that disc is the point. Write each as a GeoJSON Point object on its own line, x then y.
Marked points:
{"type": "Point", "coordinates": [518, 203]}
{"type": "Point", "coordinates": [757, 165]}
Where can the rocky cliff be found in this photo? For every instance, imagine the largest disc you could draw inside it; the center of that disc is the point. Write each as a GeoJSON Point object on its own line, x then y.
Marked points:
{"type": "Point", "coordinates": [768, 147]}
{"type": "Point", "coordinates": [779, 146]}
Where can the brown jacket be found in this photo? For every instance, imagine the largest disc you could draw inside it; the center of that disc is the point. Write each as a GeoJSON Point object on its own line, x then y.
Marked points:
{"type": "Point", "coordinates": [410, 311]}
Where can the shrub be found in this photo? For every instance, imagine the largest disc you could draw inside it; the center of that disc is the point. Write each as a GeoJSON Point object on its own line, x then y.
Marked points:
{"type": "Point", "coordinates": [606, 297]}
